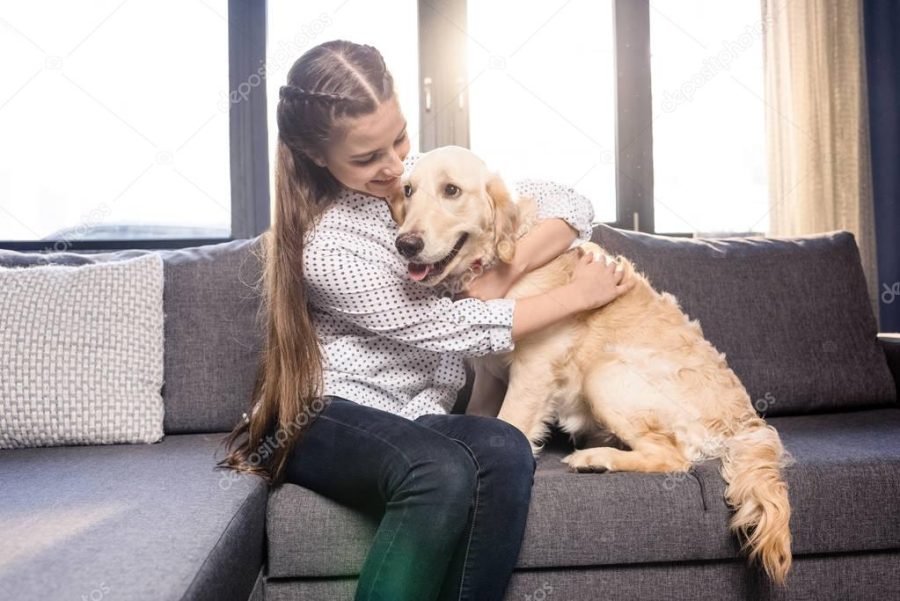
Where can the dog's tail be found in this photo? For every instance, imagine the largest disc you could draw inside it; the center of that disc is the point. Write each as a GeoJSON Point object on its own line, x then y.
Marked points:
{"type": "Point", "coordinates": [756, 491]}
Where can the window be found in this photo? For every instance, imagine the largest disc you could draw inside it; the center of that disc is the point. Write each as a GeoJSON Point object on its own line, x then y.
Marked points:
{"type": "Point", "coordinates": [112, 122]}
{"type": "Point", "coordinates": [669, 141]}
{"type": "Point", "coordinates": [709, 159]}
{"type": "Point", "coordinates": [541, 91]}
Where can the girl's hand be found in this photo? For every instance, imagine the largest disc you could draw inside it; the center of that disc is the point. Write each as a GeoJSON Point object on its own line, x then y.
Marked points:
{"type": "Point", "coordinates": [596, 283]}
{"type": "Point", "coordinates": [494, 283]}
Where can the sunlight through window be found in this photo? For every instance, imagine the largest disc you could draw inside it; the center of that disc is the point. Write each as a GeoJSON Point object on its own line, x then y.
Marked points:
{"type": "Point", "coordinates": [112, 121]}
{"type": "Point", "coordinates": [542, 93]}
{"type": "Point", "coordinates": [709, 159]}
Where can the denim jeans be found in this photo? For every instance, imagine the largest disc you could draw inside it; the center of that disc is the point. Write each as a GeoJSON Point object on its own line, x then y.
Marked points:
{"type": "Point", "coordinates": [452, 492]}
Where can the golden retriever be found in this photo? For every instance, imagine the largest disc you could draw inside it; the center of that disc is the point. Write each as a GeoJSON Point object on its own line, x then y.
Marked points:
{"type": "Point", "coordinates": [637, 368]}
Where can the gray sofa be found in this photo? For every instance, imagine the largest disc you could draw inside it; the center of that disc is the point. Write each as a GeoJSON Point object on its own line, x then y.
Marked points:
{"type": "Point", "coordinates": [158, 522]}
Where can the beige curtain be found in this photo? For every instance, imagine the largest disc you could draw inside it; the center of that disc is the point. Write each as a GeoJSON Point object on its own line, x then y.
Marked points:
{"type": "Point", "coordinates": [817, 123]}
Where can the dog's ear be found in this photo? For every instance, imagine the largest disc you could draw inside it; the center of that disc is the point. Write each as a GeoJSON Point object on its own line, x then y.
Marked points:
{"type": "Point", "coordinates": [506, 217]}
{"type": "Point", "coordinates": [396, 205]}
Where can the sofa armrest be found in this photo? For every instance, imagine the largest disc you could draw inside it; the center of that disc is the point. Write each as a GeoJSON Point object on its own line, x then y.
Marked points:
{"type": "Point", "coordinates": [891, 345]}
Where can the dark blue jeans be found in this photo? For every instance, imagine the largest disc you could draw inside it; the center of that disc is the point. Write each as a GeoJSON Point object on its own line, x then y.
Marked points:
{"type": "Point", "coordinates": [452, 490]}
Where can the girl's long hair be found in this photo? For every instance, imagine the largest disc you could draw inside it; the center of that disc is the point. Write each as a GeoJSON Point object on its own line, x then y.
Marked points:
{"type": "Point", "coordinates": [332, 81]}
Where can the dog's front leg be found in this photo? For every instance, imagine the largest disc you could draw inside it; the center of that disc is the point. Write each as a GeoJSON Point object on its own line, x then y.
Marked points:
{"type": "Point", "coordinates": [528, 405]}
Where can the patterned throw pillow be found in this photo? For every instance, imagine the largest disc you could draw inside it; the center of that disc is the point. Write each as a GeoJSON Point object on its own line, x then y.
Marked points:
{"type": "Point", "coordinates": [81, 353]}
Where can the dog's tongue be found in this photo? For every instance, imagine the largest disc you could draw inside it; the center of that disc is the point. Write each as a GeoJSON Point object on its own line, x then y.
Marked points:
{"type": "Point", "coordinates": [418, 271]}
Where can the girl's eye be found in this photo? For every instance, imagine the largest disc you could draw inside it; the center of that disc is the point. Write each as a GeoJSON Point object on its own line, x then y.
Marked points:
{"type": "Point", "coordinates": [450, 190]}
{"type": "Point", "coordinates": [373, 157]}
{"type": "Point", "coordinates": [407, 190]}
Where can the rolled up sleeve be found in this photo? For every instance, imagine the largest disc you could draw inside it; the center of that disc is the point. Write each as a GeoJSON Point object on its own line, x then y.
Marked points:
{"type": "Point", "coordinates": [556, 200]}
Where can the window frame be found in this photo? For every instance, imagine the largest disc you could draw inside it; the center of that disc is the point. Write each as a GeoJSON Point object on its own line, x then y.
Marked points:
{"type": "Point", "coordinates": [634, 116]}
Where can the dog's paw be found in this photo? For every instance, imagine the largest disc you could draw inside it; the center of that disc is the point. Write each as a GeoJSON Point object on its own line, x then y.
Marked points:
{"type": "Point", "coordinates": [584, 460]}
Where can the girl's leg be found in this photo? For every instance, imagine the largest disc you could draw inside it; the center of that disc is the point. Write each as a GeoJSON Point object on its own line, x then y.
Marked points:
{"type": "Point", "coordinates": [425, 482]}
{"type": "Point", "coordinates": [484, 560]}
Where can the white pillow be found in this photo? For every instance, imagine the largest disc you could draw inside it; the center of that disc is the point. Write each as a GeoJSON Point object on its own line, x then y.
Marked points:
{"type": "Point", "coordinates": [81, 353]}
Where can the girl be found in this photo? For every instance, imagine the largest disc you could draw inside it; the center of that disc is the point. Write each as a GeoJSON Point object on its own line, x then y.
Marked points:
{"type": "Point", "coordinates": [369, 362]}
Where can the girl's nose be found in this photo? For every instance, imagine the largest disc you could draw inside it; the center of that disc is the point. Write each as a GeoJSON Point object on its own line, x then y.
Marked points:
{"type": "Point", "coordinates": [396, 166]}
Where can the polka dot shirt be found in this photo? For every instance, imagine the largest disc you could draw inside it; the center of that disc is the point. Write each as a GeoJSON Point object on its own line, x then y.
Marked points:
{"type": "Point", "coordinates": [389, 342]}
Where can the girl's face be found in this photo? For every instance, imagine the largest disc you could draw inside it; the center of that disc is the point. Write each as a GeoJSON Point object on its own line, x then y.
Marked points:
{"type": "Point", "coordinates": [369, 158]}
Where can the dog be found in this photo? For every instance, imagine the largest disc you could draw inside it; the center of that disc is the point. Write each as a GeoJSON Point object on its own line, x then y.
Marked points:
{"type": "Point", "coordinates": [637, 369]}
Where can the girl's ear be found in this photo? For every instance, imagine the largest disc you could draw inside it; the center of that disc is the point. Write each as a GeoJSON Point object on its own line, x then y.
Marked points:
{"type": "Point", "coordinates": [396, 204]}
{"type": "Point", "coordinates": [506, 215]}
{"type": "Point", "coordinates": [317, 159]}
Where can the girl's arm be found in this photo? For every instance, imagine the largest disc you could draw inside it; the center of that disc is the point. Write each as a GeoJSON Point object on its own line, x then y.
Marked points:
{"type": "Point", "coordinates": [370, 295]}
{"type": "Point", "coordinates": [556, 200]}
{"type": "Point", "coordinates": [367, 292]}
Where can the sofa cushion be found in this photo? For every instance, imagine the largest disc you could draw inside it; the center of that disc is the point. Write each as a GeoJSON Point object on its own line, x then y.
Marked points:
{"type": "Point", "coordinates": [843, 487]}
{"type": "Point", "coordinates": [212, 336]}
{"type": "Point", "coordinates": [128, 522]}
{"type": "Point", "coordinates": [792, 315]}
{"type": "Point", "coordinates": [574, 519]}
{"type": "Point", "coordinates": [81, 354]}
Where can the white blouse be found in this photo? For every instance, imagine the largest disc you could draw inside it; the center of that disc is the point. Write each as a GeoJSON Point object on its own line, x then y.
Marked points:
{"type": "Point", "coordinates": [389, 342]}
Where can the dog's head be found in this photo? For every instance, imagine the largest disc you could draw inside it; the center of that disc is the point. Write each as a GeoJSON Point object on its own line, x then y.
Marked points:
{"type": "Point", "coordinates": [454, 215]}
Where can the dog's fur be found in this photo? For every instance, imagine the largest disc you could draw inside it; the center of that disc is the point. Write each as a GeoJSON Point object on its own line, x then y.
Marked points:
{"type": "Point", "coordinates": [637, 368]}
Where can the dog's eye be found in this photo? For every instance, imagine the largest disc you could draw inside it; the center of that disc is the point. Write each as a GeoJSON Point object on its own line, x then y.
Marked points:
{"type": "Point", "coordinates": [407, 190]}
{"type": "Point", "coordinates": [451, 190]}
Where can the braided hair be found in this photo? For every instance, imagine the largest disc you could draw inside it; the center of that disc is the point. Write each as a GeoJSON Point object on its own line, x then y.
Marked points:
{"type": "Point", "coordinates": [328, 83]}
{"type": "Point", "coordinates": [289, 92]}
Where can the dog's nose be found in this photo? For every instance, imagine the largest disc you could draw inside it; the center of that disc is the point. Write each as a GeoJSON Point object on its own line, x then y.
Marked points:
{"type": "Point", "coordinates": [409, 244]}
